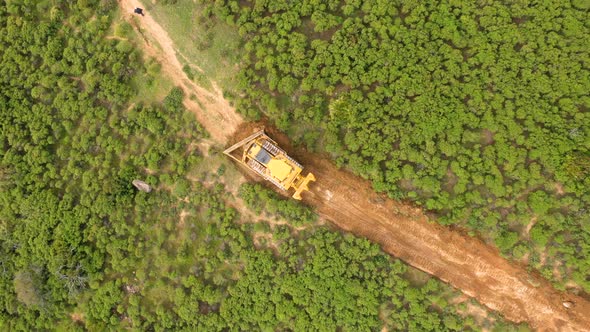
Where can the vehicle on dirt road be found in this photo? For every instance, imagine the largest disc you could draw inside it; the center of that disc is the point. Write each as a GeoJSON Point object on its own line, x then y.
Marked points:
{"type": "Point", "coordinates": [262, 155]}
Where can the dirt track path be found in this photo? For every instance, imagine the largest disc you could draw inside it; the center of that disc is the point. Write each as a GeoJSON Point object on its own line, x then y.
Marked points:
{"type": "Point", "coordinates": [403, 231]}
{"type": "Point", "coordinates": [212, 110]}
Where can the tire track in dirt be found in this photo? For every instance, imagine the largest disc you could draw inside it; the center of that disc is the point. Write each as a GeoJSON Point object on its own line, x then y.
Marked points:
{"type": "Point", "coordinates": [403, 231]}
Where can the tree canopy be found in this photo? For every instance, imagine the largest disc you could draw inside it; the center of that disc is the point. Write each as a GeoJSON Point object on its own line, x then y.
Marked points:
{"type": "Point", "coordinates": [82, 249]}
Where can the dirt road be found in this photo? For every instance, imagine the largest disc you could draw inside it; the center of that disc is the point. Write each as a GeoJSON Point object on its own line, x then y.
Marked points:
{"type": "Point", "coordinates": [210, 108]}
{"type": "Point", "coordinates": [402, 230]}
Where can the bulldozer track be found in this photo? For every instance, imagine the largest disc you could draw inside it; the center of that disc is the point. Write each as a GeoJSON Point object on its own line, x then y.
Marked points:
{"type": "Point", "coordinates": [468, 264]}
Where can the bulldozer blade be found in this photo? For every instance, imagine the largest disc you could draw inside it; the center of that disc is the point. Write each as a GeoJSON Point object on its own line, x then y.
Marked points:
{"type": "Point", "coordinates": [303, 186]}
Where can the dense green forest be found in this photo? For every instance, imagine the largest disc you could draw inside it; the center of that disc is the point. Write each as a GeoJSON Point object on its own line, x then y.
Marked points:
{"type": "Point", "coordinates": [477, 110]}
{"type": "Point", "coordinates": [81, 248]}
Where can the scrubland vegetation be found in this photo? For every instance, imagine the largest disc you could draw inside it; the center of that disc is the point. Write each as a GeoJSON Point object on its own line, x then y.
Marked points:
{"type": "Point", "coordinates": [477, 111]}
{"type": "Point", "coordinates": [81, 248]}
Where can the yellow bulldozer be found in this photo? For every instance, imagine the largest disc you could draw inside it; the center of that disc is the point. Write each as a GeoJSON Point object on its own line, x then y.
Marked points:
{"type": "Point", "coordinates": [262, 155]}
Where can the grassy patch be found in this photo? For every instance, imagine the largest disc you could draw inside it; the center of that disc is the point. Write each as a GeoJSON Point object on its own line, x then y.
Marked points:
{"type": "Point", "coordinates": [197, 76]}
{"type": "Point", "coordinates": [148, 84]}
{"type": "Point", "coordinates": [151, 88]}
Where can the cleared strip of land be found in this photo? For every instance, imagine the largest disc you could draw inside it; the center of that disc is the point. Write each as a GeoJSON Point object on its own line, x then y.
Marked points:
{"type": "Point", "coordinates": [468, 264]}
{"type": "Point", "coordinates": [465, 262]}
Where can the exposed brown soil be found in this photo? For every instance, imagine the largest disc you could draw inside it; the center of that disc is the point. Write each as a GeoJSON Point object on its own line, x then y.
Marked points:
{"type": "Point", "coordinates": [402, 230]}
{"type": "Point", "coordinates": [77, 317]}
{"type": "Point", "coordinates": [487, 137]}
{"type": "Point", "coordinates": [559, 189]}
{"type": "Point", "coordinates": [182, 217]}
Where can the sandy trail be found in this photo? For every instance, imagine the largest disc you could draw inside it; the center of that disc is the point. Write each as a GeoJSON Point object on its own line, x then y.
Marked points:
{"type": "Point", "coordinates": [349, 202]}
{"type": "Point", "coordinates": [212, 110]}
